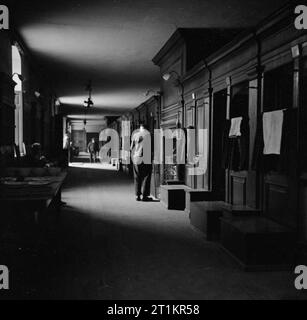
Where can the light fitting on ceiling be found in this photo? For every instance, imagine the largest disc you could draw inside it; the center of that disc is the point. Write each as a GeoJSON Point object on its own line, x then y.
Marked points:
{"type": "Point", "coordinates": [89, 102]}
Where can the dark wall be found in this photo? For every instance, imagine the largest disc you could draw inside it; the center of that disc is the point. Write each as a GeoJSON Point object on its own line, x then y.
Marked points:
{"type": "Point", "coordinates": [38, 112]}
{"type": "Point", "coordinates": [6, 91]}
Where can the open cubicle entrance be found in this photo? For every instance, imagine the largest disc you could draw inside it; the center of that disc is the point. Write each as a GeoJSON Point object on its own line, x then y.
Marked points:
{"type": "Point", "coordinates": [218, 127]}
{"type": "Point", "coordinates": [279, 172]}
{"type": "Point", "coordinates": [230, 155]}
{"type": "Point", "coordinates": [238, 154]}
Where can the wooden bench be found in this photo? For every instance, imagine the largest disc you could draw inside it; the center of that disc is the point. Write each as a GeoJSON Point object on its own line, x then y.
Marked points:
{"type": "Point", "coordinates": [230, 210]}
{"type": "Point", "coordinates": [26, 209]}
{"type": "Point", "coordinates": [258, 243]}
{"type": "Point", "coordinates": [205, 216]}
{"type": "Point", "coordinates": [31, 193]}
{"type": "Point", "coordinates": [173, 182]}
{"type": "Point", "coordinates": [205, 211]}
{"type": "Point", "coordinates": [198, 195]}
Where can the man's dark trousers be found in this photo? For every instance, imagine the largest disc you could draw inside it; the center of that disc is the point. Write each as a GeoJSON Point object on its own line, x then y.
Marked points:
{"type": "Point", "coordinates": [93, 157]}
{"type": "Point", "coordinates": [142, 176]}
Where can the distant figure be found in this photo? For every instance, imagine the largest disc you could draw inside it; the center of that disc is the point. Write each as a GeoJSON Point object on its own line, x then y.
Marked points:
{"type": "Point", "coordinates": [142, 171]}
{"type": "Point", "coordinates": [66, 143]}
{"type": "Point", "coordinates": [93, 149]}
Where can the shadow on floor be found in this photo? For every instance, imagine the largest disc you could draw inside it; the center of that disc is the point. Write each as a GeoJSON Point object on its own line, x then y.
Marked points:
{"type": "Point", "coordinates": [108, 246]}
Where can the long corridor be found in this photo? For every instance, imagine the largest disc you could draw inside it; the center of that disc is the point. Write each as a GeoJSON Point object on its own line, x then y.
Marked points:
{"type": "Point", "coordinates": [108, 246]}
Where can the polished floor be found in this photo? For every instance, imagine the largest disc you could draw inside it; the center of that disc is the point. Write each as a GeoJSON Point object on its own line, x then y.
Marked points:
{"type": "Point", "coordinates": [108, 246]}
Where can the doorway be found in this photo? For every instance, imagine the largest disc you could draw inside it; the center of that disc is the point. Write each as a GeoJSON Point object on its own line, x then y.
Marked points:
{"type": "Point", "coordinates": [217, 133]}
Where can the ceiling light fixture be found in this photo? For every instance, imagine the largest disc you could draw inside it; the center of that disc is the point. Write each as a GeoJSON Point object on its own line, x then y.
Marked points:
{"type": "Point", "coordinates": [89, 102]}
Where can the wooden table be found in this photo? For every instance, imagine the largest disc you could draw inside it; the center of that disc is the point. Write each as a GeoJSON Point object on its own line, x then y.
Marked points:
{"type": "Point", "coordinates": [38, 197]}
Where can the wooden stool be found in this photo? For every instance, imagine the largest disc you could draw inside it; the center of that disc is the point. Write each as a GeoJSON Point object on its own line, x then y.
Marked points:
{"type": "Point", "coordinates": [173, 196]}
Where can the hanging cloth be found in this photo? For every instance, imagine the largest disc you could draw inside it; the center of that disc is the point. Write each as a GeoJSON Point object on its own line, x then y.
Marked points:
{"type": "Point", "coordinates": [235, 127]}
{"type": "Point", "coordinates": [272, 131]}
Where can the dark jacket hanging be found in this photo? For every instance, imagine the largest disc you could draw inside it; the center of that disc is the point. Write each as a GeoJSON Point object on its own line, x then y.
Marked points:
{"type": "Point", "coordinates": [236, 149]}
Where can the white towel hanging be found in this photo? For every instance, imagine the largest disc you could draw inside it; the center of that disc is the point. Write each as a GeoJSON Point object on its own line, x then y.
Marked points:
{"type": "Point", "coordinates": [272, 131]}
{"type": "Point", "coordinates": [235, 128]}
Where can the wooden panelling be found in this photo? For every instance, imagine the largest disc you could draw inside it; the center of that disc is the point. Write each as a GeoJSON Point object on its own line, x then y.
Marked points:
{"type": "Point", "coordinates": [217, 126]}
{"type": "Point", "coordinates": [252, 186]}
{"type": "Point", "coordinates": [244, 62]}
{"type": "Point", "coordinates": [238, 189]}
{"type": "Point", "coordinates": [276, 202]}
{"type": "Point", "coordinates": [189, 179]}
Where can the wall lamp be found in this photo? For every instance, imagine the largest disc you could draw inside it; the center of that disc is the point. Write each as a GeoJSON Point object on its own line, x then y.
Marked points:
{"type": "Point", "coordinates": [168, 75]}
{"type": "Point", "coordinates": [178, 83]}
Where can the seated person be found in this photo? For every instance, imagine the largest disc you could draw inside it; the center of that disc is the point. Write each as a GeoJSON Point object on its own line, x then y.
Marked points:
{"type": "Point", "coordinates": [36, 158]}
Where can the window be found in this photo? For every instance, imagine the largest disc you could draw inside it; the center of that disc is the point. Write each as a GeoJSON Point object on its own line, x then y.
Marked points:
{"type": "Point", "coordinates": [17, 72]}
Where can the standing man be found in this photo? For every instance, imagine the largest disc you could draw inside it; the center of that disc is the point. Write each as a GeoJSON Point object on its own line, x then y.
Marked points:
{"type": "Point", "coordinates": [141, 158]}
{"type": "Point", "coordinates": [92, 148]}
{"type": "Point", "coordinates": [66, 143]}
